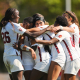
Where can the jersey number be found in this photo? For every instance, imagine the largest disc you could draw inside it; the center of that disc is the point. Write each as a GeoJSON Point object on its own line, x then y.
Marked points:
{"type": "Point", "coordinates": [72, 42]}
{"type": "Point", "coordinates": [6, 38]}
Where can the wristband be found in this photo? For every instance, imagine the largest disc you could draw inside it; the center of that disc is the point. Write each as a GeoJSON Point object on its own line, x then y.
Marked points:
{"type": "Point", "coordinates": [27, 48]}
{"type": "Point", "coordinates": [22, 45]}
{"type": "Point", "coordinates": [61, 27]}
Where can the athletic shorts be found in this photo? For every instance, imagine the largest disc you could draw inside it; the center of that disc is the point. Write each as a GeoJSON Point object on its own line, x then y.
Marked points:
{"type": "Point", "coordinates": [72, 67]}
{"type": "Point", "coordinates": [60, 60]}
{"type": "Point", "coordinates": [27, 61]}
{"type": "Point", "coordinates": [28, 64]}
{"type": "Point", "coordinates": [13, 63]}
{"type": "Point", "coordinates": [43, 66]}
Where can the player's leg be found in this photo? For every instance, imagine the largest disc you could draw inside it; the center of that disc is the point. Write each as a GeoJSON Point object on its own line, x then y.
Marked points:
{"type": "Point", "coordinates": [10, 75]}
{"type": "Point", "coordinates": [70, 77]}
{"type": "Point", "coordinates": [17, 75]}
{"type": "Point", "coordinates": [27, 74]}
{"type": "Point", "coordinates": [44, 77]}
{"type": "Point", "coordinates": [15, 67]}
{"type": "Point", "coordinates": [54, 71]}
{"type": "Point", "coordinates": [40, 70]}
{"type": "Point", "coordinates": [5, 59]}
{"type": "Point", "coordinates": [62, 75]}
{"type": "Point", "coordinates": [36, 74]}
{"type": "Point", "coordinates": [71, 69]}
{"type": "Point", "coordinates": [28, 64]}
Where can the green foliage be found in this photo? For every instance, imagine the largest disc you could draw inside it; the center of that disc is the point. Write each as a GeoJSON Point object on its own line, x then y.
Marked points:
{"type": "Point", "coordinates": [76, 8]}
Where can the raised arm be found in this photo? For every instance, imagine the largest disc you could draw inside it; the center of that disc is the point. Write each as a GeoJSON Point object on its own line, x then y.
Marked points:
{"type": "Point", "coordinates": [33, 35]}
{"type": "Point", "coordinates": [34, 29]}
{"type": "Point", "coordinates": [69, 29]}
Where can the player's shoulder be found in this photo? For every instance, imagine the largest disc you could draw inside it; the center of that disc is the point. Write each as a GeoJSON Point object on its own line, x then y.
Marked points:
{"type": "Point", "coordinates": [73, 25]}
{"type": "Point", "coordinates": [61, 32]}
{"type": "Point", "coordinates": [64, 33]}
{"type": "Point", "coordinates": [8, 26]}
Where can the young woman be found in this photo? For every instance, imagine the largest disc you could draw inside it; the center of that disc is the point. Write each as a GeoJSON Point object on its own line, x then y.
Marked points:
{"type": "Point", "coordinates": [73, 29]}
{"type": "Point", "coordinates": [72, 60]}
{"type": "Point", "coordinates": [43, 58]}
{"type": "Point", "coordinates": [57, 53]}
{"type": "Point", "coordinates": [10, 31]}
{"type": "Point", "coordinates": [27, 59]}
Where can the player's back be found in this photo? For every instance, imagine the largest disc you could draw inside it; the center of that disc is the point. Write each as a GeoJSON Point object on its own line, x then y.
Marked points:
{"type": "Point", "coordinates": [75, 37]}
{"type": "Point", "coordinates": [67, 44]}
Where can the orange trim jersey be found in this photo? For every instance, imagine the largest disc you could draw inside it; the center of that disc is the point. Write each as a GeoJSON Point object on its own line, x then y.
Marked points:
{"type": "Point", "coordinates": [67, 44]}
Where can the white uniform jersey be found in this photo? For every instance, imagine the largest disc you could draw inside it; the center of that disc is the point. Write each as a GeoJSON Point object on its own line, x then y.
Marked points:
{"type": "Point", "coordinates": [79, 38]}
{"type": "Point", "coordinates": [10, 36]}
{"type": "Point", "coordinates": [67, 44]}
{"type": "Point", "coordinates": [40, 52]}
{"type": "Point", "coordinates": [48, 36]}
{"type": "Point", "coordinates": [57, 51]}
{"type": "Point", "coordinates": [75, 37]}
{"type": "Point", "coordinates": [26, 55]}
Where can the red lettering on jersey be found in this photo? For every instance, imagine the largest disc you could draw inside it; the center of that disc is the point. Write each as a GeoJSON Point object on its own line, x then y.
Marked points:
{"type": "Point", "coordinates": [60, 36]}
{"type": "Point", "coordinates": [6, 37]}
{"type": "Point", "coordinates": [20, 29]}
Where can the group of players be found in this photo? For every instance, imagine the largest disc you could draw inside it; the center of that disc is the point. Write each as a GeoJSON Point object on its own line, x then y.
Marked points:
{"type": "Point", "coordinates": [40, 51]}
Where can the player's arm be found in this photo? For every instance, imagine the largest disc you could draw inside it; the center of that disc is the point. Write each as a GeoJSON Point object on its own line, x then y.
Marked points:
{"type": "Point", "coordinates": [24, 47]}
{"type": "Point", "coordinates": [34, 29]}
{"type": "Point", "coordinates": [69, 29]}
{"type": "Point", "coordinates": [33, 35]}
{"type": "Point", "coordinates": [47, 42]}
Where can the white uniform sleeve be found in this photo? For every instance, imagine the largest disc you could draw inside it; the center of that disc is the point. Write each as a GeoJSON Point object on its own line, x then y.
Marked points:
{"type": "Point", "coordinates": [60, 36]}
{"type": "Point", "coordinates": [43, 27]}
{"type": "Point", "coordinates": [18, 29]}
{"type": "Point", "coordinates": [75, 27]}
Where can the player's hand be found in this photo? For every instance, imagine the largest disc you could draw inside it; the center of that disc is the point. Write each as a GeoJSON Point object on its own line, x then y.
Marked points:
{"type": "Point", "coordinates": [15, 46]}
{"type": "Point", "coordinates": [55, 29]}
{"type": "Point", "coordinates": [33, 53]}
{"type": "Point", "coordinates": [49, 28]}
{"type": "Point", "coordinates": [21, 24]}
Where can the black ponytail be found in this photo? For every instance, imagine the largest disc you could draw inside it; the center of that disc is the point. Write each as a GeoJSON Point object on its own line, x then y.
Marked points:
{"type": "Point", "coordinates": [8, 16]}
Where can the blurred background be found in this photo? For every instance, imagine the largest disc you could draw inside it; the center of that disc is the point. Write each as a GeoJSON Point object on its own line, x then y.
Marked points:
{"type": "Point", "coordinates": [49, 8]}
